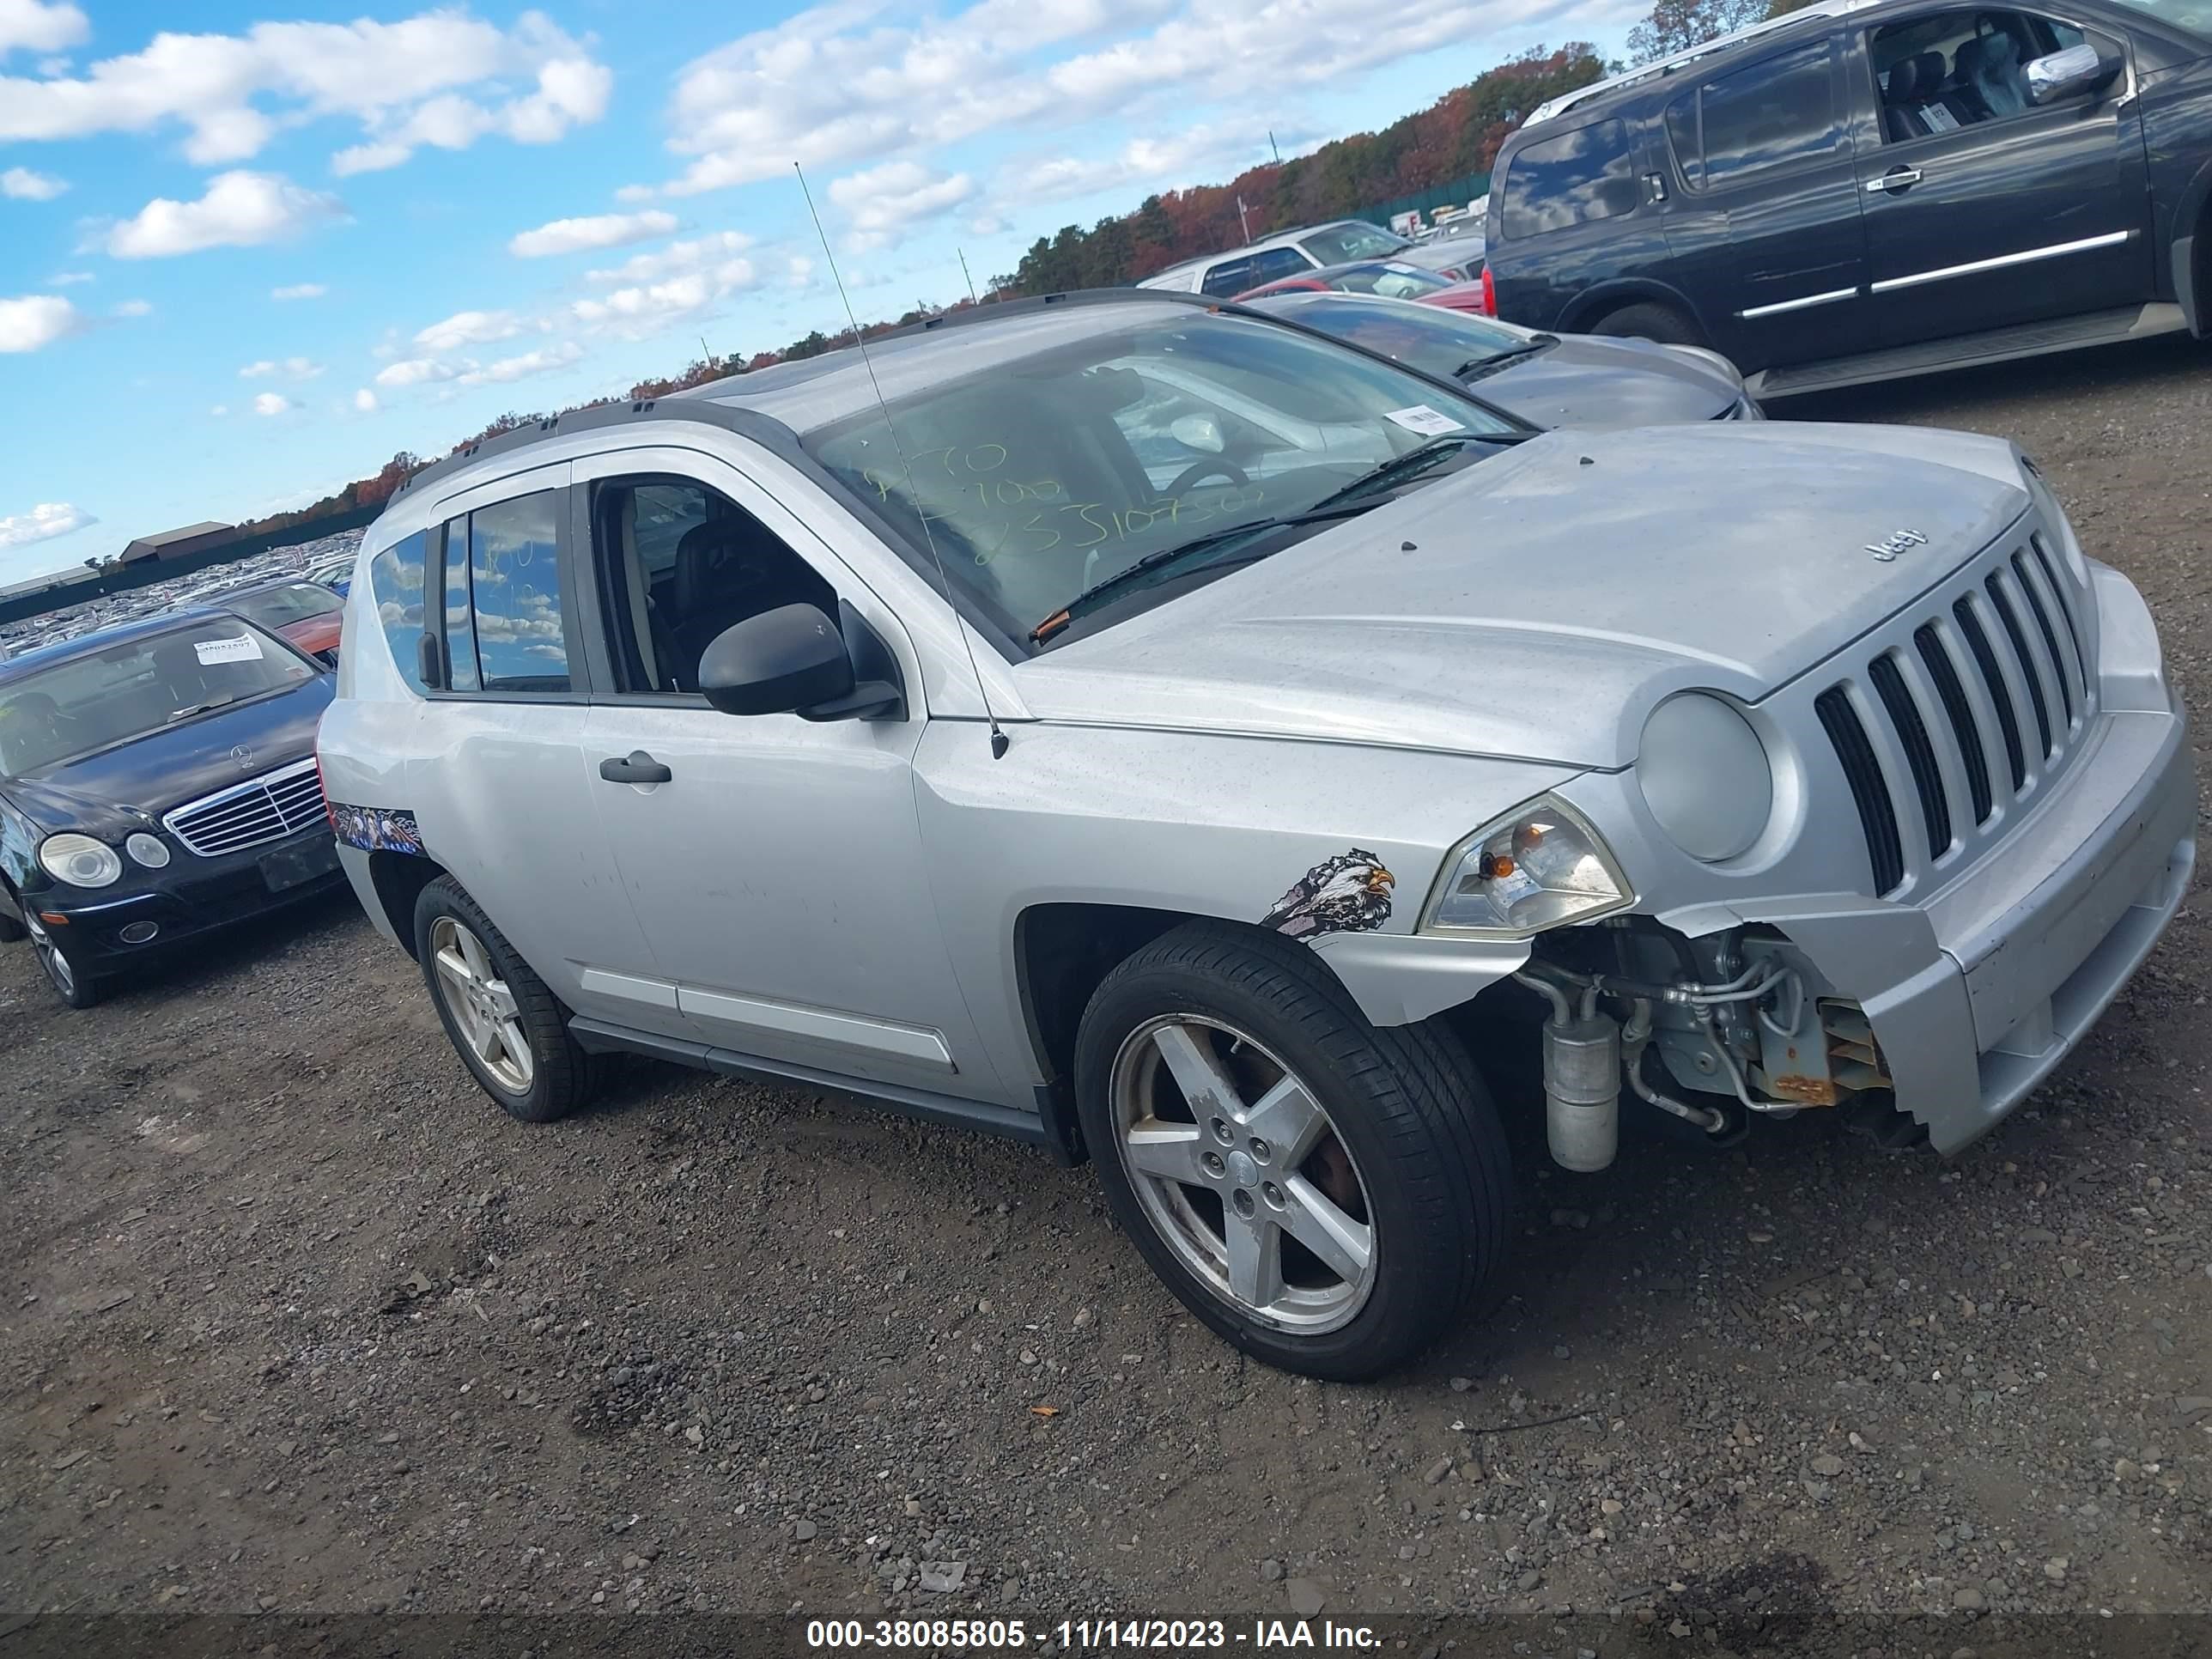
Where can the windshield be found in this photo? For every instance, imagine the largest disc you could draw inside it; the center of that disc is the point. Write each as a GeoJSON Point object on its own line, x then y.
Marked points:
{"type": "Point", "coordinates": [280, 607]}
{"type": "Point", "coordinates": [1039, 477]}
{"type": "Point", "coordinates": [137, 686]}
{"type": "Point", "coordinates": [1336, 245]}
{"type": "Point", "coordinates": [1434, 339]}
{"type": "Point", "coordinates": [1392, 281]}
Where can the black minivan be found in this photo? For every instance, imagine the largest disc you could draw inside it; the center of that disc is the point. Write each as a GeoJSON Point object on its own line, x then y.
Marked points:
{"type": "Point", "coordinates": [1861, 190]}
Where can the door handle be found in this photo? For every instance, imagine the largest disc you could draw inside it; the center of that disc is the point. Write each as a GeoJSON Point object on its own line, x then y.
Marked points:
{"type": "Point", "coordinates": [638, 768]}
{"type": "Point", "coordinates": [1895, 180]}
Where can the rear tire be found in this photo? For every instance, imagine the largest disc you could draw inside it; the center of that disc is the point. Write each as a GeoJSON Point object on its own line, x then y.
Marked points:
{"type": "Point", "coordinates": [1649, 321]}
{"type": "Point", "coordinates": [1326, 1194]}
{"type": "Point", "coordinates": [509, 1027]}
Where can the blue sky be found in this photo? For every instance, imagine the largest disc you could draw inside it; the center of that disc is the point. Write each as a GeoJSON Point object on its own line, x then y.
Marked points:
{"type": "Point", "coordinates": [250, 251]}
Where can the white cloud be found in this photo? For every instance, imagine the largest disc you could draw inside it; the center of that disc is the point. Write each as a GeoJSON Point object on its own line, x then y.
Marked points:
{"type": "Point", "coordinates": [365, 401]}
{"type": "Point", "coordinates": [1177, 159]}
{"type": "Point", "coordinates": [834, 84]}
{"type": "Point", "coordinates": [239, 209]}
{"type": "Point", "coordinates": [700, 253]}
{"type": "Point", "coordinates": [34, 26]}
{"type": "Point", "coordinates": [604, 230]}
{"type": "Point", "coordinates": [24, 186]}
{"type": "Point", "coordinates": [402, 82]}
{"type": "Point", "coordinates": [273, 403]}
{"type": "Point", "coordinates": [799, 270]}
{"type": "Point", "coordinates": [48, 519]}
{"type": "Point", "coordinates": [882, 203]}
{"type": "Point", "coordinates": [135, 308]}
{"type": "Point", "coordinates": [69, 278]}
{"type": "Point", "coordinates": [299, 291]}
{"type": "Point", "coordinates": [218, 409]}
{"type": "Point", "coordinates": [412, 371]}
{"type": "Point", "coordinates": [35, 320]}
{"type": "Point", "coordinates": [837, 84]}
{"type": "Point", "coordinates": [541, 361]}
{"type": "Point", "coordinates": [644, 308]}
{"type": "Point", "coordinates": [292, 369]}
{"type": "Point", "coordinates": [469, 328]}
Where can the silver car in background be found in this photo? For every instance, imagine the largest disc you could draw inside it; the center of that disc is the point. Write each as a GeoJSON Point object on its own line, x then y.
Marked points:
{"type": "Point", "coordinates": [1166, 734]}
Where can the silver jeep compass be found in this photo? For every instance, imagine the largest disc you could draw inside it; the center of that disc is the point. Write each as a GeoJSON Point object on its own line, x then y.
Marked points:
{"type": "Point", "coordinates": [1158, 731]}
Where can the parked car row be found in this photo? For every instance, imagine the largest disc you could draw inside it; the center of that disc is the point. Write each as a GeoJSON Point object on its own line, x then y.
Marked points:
{"type": "Point", "coordinates": [1861, 191]}
{"type": "Point", "coordinates": [1313, 247]}
{"type": "Point", "coordinates": [1181, 735]}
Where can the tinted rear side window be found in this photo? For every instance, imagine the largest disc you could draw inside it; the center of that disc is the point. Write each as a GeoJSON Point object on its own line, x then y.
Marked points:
{"type": "Point", "coordinates": [1782, 110]}
{"type": "Point", "coordinates": [515, 574]}
{"type": "Point", "coordinates": [1235, 276]}
{"type": "Point", "coordinates": [1585, 174]}
{"type": "Point", "coordinates": [395, 583]}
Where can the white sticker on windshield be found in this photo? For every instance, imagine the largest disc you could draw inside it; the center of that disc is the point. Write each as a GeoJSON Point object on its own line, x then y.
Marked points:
{"type": "Point", "coordinates": [244, 649]}
{"type": "Point", "coordinates": [1429, 423]}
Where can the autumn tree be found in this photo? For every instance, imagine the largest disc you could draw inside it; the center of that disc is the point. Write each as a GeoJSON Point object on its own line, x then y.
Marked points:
{"type": "Point", "coordinates": [1677, 25]}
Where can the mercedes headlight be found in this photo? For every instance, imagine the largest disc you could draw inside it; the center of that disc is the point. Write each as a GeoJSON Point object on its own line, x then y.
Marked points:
{"type": "Point", "coordinates": [80, 861]}
{"type": "Point", "coordinates": [1706, 776]}
{"type": "Point", "coordinates": [1542, 866]}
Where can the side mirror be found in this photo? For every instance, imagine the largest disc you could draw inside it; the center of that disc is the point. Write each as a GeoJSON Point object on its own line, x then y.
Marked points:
{"type": "Point", "coordinates": [2058, 76]}
{"type": "Point", "coordinates": [779, 662]}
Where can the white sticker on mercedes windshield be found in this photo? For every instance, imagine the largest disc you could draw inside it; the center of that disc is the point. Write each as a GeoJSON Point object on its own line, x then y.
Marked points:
{"type": "Point", "coordinates": [244, 649]}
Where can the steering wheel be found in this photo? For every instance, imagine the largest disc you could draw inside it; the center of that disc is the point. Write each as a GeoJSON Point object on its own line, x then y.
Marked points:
{"type": "Point", "coordinates": [1211, 467]}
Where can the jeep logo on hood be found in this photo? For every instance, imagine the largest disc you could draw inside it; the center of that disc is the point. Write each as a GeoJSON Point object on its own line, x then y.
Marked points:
{"type": "Point", "coordinates": [1890, 546]}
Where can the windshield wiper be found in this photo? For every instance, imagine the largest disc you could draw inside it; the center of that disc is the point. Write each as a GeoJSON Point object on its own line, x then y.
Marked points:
{"type": "Point", "coordinates": [1087, 600]}
{"type": "Point", "coordinates": [1475, 368]}
{"type": "Point", "coordinates": [1418, 458]}
{"type": "Point", "coordinates": [223, 702]}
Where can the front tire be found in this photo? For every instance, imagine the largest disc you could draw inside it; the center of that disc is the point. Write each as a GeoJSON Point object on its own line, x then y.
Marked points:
{"type": "Point", "coordinates": [72, 984]}
{"type": "Point", "coordinates": [1326, 1194]}
{"type": "Point", "coordinates": [1649, 322]}
{"type": "Point", "coordinates": [504, 1022]}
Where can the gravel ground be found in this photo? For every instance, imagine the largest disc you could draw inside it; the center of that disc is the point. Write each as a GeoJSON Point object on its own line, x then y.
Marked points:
{"type": "Point", "coordinates": [299, 1327]}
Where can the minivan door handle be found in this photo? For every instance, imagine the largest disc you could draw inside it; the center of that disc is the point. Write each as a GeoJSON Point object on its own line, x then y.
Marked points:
{"type": "Point", "coordinates": [1895, 180]}
{"type": "Point", "coordinates": [638, 768]}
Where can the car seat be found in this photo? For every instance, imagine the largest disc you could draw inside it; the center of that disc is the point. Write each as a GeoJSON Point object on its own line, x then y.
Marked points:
{"type": "Point", "coordinates": [1900, 115]}
{"type": "Point", "coordinates": [726, 569]}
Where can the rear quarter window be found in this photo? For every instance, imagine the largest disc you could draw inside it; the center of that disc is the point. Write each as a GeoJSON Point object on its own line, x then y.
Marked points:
{"type": "Point", "coordinates": [395, 585]}
{"type": "Point", "coordinates": [1589, 174]}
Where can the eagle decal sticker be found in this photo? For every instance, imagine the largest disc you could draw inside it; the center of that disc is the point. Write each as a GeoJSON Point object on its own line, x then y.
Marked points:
{"type": "Point", "coordinates": [1348, 894]}
{"type": "Point", "coordinates": [376, 828]}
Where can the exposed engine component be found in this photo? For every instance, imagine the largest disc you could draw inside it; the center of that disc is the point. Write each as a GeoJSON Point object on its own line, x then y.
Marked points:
{"type": "Point", "coordinates": [1737, 1014]}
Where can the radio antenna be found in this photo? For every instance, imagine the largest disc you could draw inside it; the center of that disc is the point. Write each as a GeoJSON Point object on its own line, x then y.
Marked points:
{"type": "Point", "coordinates": [998, 739]}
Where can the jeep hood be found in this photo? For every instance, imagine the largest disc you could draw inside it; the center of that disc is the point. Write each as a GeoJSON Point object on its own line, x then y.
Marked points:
{"type": "Point", "coordinates": [1538, 605]}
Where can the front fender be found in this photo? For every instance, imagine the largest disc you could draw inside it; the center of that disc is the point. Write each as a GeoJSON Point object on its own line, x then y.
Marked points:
{"type": "Point", "coordinates": [1335, 845]}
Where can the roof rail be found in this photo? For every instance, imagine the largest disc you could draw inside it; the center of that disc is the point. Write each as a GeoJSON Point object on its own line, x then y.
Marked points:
{"type": "Point", "coordinates": [1552, 108]}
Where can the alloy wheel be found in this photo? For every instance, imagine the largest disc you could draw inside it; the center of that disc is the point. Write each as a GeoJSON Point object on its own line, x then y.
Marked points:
{"type": "Point", "coordinates": [50, 956]}
{"type": "Point", "coordinates": [481, 1006]}
{"type": "Point", "coordinates": [1242, 1172]}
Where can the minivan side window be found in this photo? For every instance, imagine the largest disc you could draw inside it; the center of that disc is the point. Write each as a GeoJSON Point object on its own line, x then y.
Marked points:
{"type": "Point", "coordinates": [395, 585]}
{"type": "Point", "coordinates": [678, 565]}
{"type": "Point", "coordinates": [1588, 173]}
{"type": "Point", "coordinates": [1780, 110]}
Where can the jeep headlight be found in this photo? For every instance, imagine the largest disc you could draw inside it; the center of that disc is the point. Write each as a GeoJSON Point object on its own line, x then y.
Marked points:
{"type": "Point", "coordinates": [80, 861]}
{"type": "Point", "coordinates": [2057, 526]}
{"type": "Point", "coordinates": [1706, 776]}
{"type": "Point", "coordinates": [1542, 866]}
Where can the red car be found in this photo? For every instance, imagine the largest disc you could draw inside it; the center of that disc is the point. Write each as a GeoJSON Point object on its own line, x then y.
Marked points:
{"type": "Point", "coordinates": [305, 615]}
{"type": "Point", "coordinates": [1387, 277]}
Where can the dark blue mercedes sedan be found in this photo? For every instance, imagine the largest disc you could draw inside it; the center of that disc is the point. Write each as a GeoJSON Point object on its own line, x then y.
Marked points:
{"type": "Point", "coordinates": [156, 780]}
